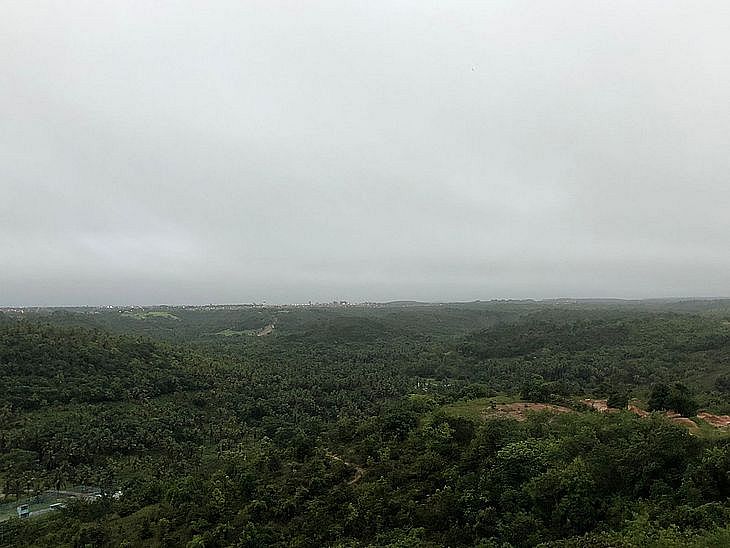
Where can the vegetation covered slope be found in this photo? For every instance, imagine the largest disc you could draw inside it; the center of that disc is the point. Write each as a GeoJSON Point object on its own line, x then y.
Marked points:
{"type": "Point", "coordinates": [335, 429]}
{"type": "Point", "coordinates": [42, 364]}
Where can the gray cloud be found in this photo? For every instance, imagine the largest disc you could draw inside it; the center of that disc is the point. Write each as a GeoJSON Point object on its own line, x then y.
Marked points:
{"type": "Point", "coordinates": [236, 151]}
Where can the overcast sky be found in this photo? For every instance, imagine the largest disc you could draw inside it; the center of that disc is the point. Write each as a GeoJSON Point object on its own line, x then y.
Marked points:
{"type": "Point", "coordinates": [194, 152]}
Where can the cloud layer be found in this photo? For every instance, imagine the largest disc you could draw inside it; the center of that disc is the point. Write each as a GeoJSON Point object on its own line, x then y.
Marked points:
{"type": "Point", "coordinates": [286, 151]}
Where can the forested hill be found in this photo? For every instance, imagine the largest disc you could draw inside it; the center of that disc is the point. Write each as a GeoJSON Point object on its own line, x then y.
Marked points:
{"type": "Point", "coordinates": [360, 427]}
{"type": "Point", "coordinates": [42, 364]}
{"type": "Point", "coordinates": [587, 355]}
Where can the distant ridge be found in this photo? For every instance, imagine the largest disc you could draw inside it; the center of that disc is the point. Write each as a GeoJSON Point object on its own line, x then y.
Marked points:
{"type": "Point", "coordinates": [407, 303]}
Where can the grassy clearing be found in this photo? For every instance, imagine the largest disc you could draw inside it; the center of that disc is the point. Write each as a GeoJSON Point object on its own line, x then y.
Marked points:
{"type": "Point", "coordinates": [475, 409]}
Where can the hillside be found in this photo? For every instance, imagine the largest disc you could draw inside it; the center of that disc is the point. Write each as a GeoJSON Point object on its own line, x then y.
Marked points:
{"type": "Point", "coordinates": [393, 426]}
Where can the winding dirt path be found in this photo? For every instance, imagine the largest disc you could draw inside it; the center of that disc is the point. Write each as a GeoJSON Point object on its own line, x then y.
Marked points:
{"type": "Point", "coordinates": [359, 471]}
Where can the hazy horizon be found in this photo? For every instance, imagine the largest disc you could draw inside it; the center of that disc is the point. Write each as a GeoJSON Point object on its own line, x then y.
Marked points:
{"type": "Point", "coordinates": [370, 301]}
{"type": "Point", "coordinates": [287, 152]}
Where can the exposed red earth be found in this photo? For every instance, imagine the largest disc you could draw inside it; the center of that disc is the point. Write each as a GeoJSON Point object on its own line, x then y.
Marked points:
{"type": "Point", "coordinates": [599, 405]}
{"type": "Point", "coordinates": [676, 418]}
{"type": "Point", "coordinates": [718, 421]}
{"type": "Point", "coordinates": [519, 412]}
{"type": "Point", "coordinates": [638, 411]}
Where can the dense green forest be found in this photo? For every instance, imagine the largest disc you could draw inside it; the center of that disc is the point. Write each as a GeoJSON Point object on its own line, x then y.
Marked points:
{"type": "Point", "coordinates": [392, 425]}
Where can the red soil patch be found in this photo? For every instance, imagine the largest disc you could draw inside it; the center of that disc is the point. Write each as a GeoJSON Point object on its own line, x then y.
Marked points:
{"type": "Point", "coordinates": [600, 405]}
{"type": "Point", "coordinates": [673, 416]}
{"type": "Point", "coordinates": [676, 418]}
{"type": "Point", "coordinates": [519, 411]}
{"type": "Point", "coordinates": [638, 411]}
{"type": "Point", "coordinates": [718, 421]}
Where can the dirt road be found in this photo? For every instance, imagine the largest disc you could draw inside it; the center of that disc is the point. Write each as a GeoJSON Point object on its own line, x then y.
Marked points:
{"type": "Point", "coordinates": [359, 471]}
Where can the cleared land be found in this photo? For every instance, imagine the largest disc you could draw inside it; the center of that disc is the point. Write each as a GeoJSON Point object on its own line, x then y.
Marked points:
{"type": "Point", "coordinates": [512, 407]}
{"type": "Point", "coordinates": [149, 315]}
{"type": "Point", "coordinates": [266, 330]}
